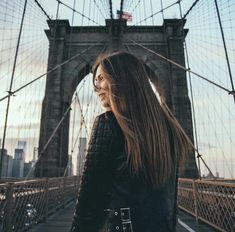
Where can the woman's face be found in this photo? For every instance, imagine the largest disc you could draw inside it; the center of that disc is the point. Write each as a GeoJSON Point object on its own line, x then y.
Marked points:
{"type": "Point", "coordinates": [102, 88]}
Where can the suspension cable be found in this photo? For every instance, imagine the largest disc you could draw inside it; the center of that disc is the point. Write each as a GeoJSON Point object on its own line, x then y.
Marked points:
{"type": "Point", "coordinates": [111, 9]}
{"type": "Point", "coordinates": [10, 88]}
{"type": "Point", "coordinates": [151, 6]}
{"type": "Point", "coordinates": [50, 139]}
{"type": "Point", "coordinates": [78, 12]}
{"type": "Point", "coordinates": [162, 11]}
{"type": "Point", "coordinates": [167, 7]}
{"type": "Point", "coordinates": [192, 98]}
{"type": "Point", "coordinates": [135, 7]}
{"type": "Point", "coordinates": [182, 67]}
{"type": "Point", "coordinates": [82, 116]}
{"type": "Point", "coordinates": [51, 70]}
{"type": "Point", "coordinates": [189, 10]}
{"type": "Point", "coordinates": [40, 6]}
{"type": "Point", "coordinates": [225, 47]}
{"type": "Point", "coordinates": [99, 8]}
{"type": "Point", "coordinates": [39, 157]}
{"type": "Point", "coordinates": [200, 157]}
{"type": "Point", "coordinates": [121, 9]}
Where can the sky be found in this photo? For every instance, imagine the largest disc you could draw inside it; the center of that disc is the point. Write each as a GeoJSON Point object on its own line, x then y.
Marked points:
{"type": "Point", "coordinates": [214, 108]}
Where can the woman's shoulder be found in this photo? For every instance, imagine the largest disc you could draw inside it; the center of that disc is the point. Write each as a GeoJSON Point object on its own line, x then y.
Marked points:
{"type": "Point", "coordinates": [108, 121]}
{"type": "Point", "coordinates": [107, 116]}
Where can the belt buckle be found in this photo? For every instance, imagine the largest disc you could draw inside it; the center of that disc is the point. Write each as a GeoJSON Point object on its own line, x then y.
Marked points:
{"type": "Point", "coordinates": [127, 226]}
{"type": "Point", "coordinates": [126, 219]}
{"type": "Point", "coordinates": [125, 214]}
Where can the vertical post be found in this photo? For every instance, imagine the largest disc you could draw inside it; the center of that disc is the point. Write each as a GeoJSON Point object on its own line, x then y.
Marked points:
{"type": "Point", "coordinates": [9, 207]}
{"type": "Point", "coordinates": [63, 191]}
{"type": "Point", "coordinates": [10, 89]}
{"type": "Point", "coordinates": [47, 199]}
{"type": "Point", "coordinates": [195, 200]}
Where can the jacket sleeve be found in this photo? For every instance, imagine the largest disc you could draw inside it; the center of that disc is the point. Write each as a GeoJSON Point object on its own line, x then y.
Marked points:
{"type": "Point", "coordinates": [95, 185]}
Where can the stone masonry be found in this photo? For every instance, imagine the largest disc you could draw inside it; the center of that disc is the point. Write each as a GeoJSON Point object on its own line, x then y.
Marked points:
{"type": "Point", "coordinates": [66, 41]}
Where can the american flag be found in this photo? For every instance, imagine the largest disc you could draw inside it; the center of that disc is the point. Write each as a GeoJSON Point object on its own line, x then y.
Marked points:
{"type": "Point", "coordinates": [125, 15]}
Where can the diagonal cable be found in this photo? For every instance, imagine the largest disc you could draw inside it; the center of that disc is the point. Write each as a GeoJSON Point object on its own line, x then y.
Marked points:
{"type": "Point", "coordinates": [182, 67]}
{"type": "Point", "coordinates": [40, 6]}
{"type": "Point", "coordinates": [98, 8]}
{"type": "Point", "coordinates": [51, 70]}
{"type": "Point", "coordinates": [160, 11]}
{"type": "Point", "coordinates": [69, 7]}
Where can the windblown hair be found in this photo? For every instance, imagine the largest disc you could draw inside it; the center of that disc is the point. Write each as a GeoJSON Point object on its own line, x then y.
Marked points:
{"type": "Point", "coordinates": [155, 142]}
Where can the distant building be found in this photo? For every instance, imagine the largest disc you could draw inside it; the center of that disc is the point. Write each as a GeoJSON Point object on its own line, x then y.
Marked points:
{"type": "Point", "coordinates": [10, 165]}
{"type": "Point", "coordinates": [81, 155]}
{"type": "Point", "coordinates": [27, 168]}
{"type": "Point", "coordinates": [69, 171]}
{"type": "Point", "coordinates": [6, 164]}
{"type": "Point", "coordinates": [21, 145]}
{"type": "Point", "coordinates": [19, 154]}
{"type": "Point", "coordinates": [18, 168]}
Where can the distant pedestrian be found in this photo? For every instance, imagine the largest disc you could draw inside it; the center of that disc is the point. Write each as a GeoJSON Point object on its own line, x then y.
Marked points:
{"type": "Point", "coordinates": [130, 174]}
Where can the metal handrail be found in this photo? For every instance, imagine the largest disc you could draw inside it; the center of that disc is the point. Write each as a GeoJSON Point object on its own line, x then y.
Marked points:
{"type": "Point", "coordinates": [212, 202]}
{"type": "Point", "coordinates": [26, 203]}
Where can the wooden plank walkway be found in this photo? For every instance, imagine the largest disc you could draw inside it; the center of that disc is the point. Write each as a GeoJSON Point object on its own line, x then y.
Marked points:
{"type": "Point", "coordinates": [61, 222]}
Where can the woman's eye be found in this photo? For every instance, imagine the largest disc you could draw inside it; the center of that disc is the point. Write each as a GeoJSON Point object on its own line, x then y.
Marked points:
{"type": "Point", "coordinates": [100, 78]}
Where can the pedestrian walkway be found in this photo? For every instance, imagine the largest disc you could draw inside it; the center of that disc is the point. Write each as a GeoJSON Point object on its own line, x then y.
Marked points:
{"type": "Point", "coordinates": [61, 222]}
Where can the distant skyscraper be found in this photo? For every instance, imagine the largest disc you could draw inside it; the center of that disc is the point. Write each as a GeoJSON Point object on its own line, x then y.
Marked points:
{"type": "Point", "coordinates": [18, 168]}
{"type": "Point", "coordinates": [18, 162]}
{"type": "Point", "coordinates": [21, 145]}
{"type": "Point", "coordinates": [9, 167]}
{"type": "Point", "coordinates": [70, 167]}
{"type": "Point", "coordinates": [81, 155]}
{"type": "Point", "coordinates": [19, 154]}
{"type": "Point", "coordinates": [4, 162]}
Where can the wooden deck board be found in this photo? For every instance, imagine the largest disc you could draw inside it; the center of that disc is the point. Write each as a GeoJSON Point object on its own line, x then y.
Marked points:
{"type": "Point", "coordinates": [61, 222]}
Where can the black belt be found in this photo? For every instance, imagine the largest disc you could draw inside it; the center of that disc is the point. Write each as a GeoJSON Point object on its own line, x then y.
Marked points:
{"type": "Point", "coordinates": [120, 219]}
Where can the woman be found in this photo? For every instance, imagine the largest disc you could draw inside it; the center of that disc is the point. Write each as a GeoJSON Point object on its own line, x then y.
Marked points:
{"type": "Point", "coordinates": [130, 173]}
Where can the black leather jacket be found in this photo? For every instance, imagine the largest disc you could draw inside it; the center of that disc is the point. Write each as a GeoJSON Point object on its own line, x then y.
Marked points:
{"type": "Point", "coordinates": [110, 199]}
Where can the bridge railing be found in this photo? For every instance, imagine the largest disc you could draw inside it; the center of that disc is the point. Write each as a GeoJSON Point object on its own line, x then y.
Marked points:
{"type": "Point", "coordinates": [25, 203]}
{"type": "Point", "coordinates": [212, 202]}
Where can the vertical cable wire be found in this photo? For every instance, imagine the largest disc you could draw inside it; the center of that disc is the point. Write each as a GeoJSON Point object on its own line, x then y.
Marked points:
{"type": "Point", "coordinates": [151, 7]}
{"type": "Point", "coordinates": [191, 94]}
{"type": "Point", "coordinates": [83, 8]}
{"type": "Point", "coordinates": [89, 13]}
{"type": "Point", "coordinates": [71, 29]}
{"type": "Point", "coordinates": [162, 11]}
{"type": "Point", "coordinates": [145, 13]}
{"type": "Point", "coordinates": [225, 47]}
{"type": "Point", "coordinates": [10, 88]}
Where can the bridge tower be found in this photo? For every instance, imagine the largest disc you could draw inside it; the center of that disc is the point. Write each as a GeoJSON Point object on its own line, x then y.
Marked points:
{"type": "Point", "coordinates": [66, 41]}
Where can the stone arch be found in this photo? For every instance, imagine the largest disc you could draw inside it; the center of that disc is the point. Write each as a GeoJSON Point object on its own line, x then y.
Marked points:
{"type": "Point", "coordinates": [88, 42]}
{"type": "Point", "coordinates": [54, 159]}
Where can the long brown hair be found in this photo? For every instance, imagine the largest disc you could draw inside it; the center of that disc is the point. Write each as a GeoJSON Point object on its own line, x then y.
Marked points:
{"type": "Point", "coordinates": [155, 142]}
